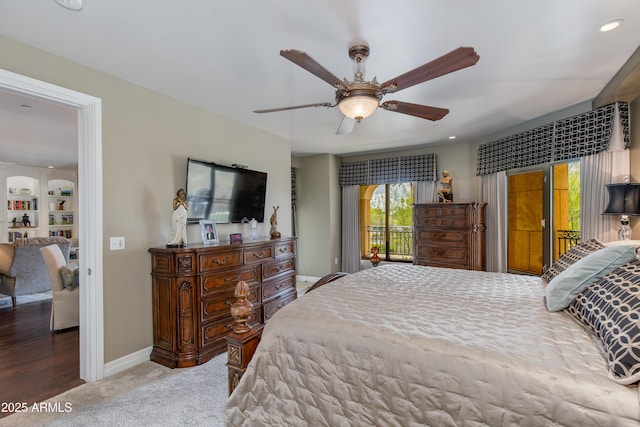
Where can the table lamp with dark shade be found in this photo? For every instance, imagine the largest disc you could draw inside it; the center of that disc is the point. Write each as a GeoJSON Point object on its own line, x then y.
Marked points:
{"type": "Point", "coordinates": [624, 200]}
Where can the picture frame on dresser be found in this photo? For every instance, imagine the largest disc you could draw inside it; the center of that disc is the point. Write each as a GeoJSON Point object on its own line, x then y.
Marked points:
{"type": "Point", "coordinates": [208, 232]}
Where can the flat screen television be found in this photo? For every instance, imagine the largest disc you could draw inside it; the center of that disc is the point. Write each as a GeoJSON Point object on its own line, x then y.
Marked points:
{"type": "Point", "coordinates": [224, 194]}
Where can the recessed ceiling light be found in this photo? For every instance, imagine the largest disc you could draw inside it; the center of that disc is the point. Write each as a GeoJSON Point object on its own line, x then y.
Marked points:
{"type": "Point", "coordinates": [50, 167]}
{"type": "Point", "coordinates": [611, 25]}
{"type": "Point", "coordinates": [452, 137]}
{"type": "Point", "coordinates": [70, 4]}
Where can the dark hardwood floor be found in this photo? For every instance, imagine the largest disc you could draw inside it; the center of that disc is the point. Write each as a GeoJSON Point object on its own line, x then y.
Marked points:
{"type": "Point", "coordinates": [35, 364]}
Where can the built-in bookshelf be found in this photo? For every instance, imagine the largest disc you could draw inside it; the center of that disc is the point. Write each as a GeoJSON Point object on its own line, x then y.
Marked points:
{"type": "Point", "coordinates": [23, 207]}
{"type": "Point", "coordinates": [61, 196]}
{"type": "Point", "coordinates": [37, 202]}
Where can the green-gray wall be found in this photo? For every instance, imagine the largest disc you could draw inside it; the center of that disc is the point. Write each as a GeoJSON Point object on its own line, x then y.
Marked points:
{"type": "Point", "coordinates": [146, 140]}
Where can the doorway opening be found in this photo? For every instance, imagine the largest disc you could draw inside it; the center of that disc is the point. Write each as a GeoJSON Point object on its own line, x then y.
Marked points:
{"type": "Point", "coordinates": [89, 210]}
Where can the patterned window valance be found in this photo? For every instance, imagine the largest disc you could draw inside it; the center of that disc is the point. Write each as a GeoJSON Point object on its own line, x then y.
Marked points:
{"type": "Point", "coordinates": [571, 138]}
{"type": "Point", "coordinates": [392, 170]}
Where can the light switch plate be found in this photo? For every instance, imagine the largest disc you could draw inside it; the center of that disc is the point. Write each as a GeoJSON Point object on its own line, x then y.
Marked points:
{"type": "Point", "coordinates": [116, 243]}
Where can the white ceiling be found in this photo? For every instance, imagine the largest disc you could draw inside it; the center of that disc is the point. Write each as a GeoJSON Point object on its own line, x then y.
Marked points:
{"type": "Point", "coordinates": [536, 57]}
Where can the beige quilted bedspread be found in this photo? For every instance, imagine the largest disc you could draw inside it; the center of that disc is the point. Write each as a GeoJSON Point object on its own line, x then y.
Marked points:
{"type": "Point", "coordinates": [405, 345]}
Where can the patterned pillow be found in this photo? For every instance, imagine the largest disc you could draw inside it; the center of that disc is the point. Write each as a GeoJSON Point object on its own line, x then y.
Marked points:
{"type": "Point", "coordinates": [570, 257]}
{"type": "Point", "coordinates": [611, 309]}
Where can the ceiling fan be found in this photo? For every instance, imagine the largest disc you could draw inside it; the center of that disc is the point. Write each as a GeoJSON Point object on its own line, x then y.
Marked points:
{"type": "Point", "coordinates": [358, 99]}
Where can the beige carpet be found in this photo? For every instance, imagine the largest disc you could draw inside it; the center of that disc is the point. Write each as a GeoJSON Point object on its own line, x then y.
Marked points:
{"type": "Point", "coordinates": [146, 395]}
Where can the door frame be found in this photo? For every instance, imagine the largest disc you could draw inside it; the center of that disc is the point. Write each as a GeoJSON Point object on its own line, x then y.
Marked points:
{"type": "Point", "coordinates": [90, 220]}
{"type": "Point", "coordinates": [547, 209]}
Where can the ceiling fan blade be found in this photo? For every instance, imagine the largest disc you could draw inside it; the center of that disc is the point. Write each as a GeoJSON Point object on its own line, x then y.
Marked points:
{"type": "Point", "coordinates": [422, 111]}
{"type": "Point", "coordinates": [295, 107]}
{"type": "Point", "coordinates": [346, 125]}
{"type": "Point", "coordinates": [308, 63]}
{"type": "Point", "coordinates": [455, 60]}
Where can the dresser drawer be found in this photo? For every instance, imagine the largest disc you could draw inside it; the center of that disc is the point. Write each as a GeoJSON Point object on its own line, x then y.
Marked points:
{"type": "Point", "coordinates": [275, 287]}
{"type": "Point", "coordinates": [227, 279]}
{"type": "Point", "coordinates": [272, 307]}
{"type": "Point", "coordinates": [256, 255]}
{"type": "Point", "coordinates": [220, 260]}
{"type": "Point", "coordinates": [213, 308]}
{"type": "Point", "coordinates": [442, 237]}
{"type": "Point", "coordinates": [444, 254]}
{"type": "Point", "coordinates": [285, 249]}
{"type": "Point", "coordinates": [275, 268]}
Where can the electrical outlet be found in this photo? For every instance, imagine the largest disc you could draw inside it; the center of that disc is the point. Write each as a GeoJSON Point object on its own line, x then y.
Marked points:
{"type": "Point", "coordinates": [336, 261]}
{"type": "Point", "coordinates": [116, 243]}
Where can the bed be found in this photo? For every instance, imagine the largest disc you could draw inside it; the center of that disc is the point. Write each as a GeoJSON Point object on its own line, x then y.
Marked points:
{"type": "Point", "coordinates": [408, 345]}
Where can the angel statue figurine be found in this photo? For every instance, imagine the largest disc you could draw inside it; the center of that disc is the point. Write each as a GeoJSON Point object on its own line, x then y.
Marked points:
{"type": "Point", "coordinates": [178, 236]}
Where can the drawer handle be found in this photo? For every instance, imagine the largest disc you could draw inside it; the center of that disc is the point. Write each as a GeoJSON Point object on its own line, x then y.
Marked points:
{"type": "Point", "coordinates": [231, 279]}
{"type": "Point", "coordinates": [229, 303]}
{"type": "Point", "coordinates": [279, 269]}
{"type": "Point", "coordinates": [259, 255]}
{"type": "Point", "coordinates": [283, 250]}
{"type": "Point", "coordinates": [229, 326]}
{"type": "Point", "coordinates": [278, 286]}
{"type": "Point", "coordinates": [221, 261]}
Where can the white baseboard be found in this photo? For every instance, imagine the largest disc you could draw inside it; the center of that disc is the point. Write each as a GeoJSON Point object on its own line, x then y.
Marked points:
{"type": "Point", "coordinates": [128, 361]}
{"type": "Point", "coordinates": [307, 279]}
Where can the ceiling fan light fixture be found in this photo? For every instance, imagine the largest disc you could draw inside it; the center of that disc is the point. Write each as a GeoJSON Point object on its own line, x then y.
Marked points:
{"type": "Point", "coordinates": [358, 107]}
{"type": "Point", "coordinates": [70, 4]}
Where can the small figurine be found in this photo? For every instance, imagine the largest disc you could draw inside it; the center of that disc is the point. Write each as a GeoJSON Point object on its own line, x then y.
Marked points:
{"type": "Point", "coordinates": [14, 222]}
{"type": "Point", "coordinates": [254, 228]}
{"type": "Point", "coordinates": [445, 193]}
{"type": "Point", "coordinates": [26, 221]}
{"type": "Point", "coordinates": [375, 259]}
{"type": "Point", "coordinates": [274, 221]}
{"type": "Point", "coordinates": [61, 205]}
{"type": "Point", "coordinates": [178, 236]}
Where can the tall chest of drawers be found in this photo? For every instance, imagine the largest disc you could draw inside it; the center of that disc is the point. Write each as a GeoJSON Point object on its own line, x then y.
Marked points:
{"type": "Point", "coordinates": [449, 235]}
{"type": "Point", "coordinates": [193, 289]}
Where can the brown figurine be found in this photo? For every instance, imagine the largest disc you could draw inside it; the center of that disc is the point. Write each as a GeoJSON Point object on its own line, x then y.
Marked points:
{"type": "Point", "coordinates": [275, 234]}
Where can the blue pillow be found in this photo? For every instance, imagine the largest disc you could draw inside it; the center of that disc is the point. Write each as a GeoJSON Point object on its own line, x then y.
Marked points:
{"type": "Point", "coordinates": [564, 288]}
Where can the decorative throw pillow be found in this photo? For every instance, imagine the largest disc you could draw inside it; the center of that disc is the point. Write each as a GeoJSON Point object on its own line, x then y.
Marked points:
{"type": "Point", "coordinates": [563, 288]}
{"type": "Point", "coordinates": [69, 274]}
{"type": "Point", "coordinates": [611, 309]}
{"type": "Point", "coordinates": [570, 257]}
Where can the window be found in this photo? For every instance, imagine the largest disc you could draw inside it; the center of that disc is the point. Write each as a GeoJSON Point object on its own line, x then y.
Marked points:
{"type": "Point", "coordinates": [386, 214]}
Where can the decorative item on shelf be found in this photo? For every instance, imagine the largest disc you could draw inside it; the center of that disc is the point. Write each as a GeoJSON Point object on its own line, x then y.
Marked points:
{"type": "Point", "coordinates": [61, 204]}
{"type": "Point", "coordinates": [14, 222]}
{"type": "Point", "coordinates": [208, 232]}
{"type": "Point", "coordinates": [275, 234]}
{"type": "Point", "coordinates": [178, 236]}
{"type": "Point", "coordinates": [12, 190]}
{"type": "Point", "coordinates": [65, 192]}
{"type": "Point", "coordinates": [375, 259]}
{"type": "Point", "coordinates": [26, 221]}
{"type": "Point", "coordinates": [624, 200]}
{"type": "Point", "coordinates": [25, 191]}
{"type": "Point", "coordinates": [254, 228]}
{"type": "Point", "coordinates": [241, 309]}
{"type": "Point", "coordinates": [235, 238]}
{"type": "Point", "coordinates": [445, 193]}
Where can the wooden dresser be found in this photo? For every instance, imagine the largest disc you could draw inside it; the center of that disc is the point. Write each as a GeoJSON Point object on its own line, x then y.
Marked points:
{"type": "Point", "coordinates": [193, 289]}
{"type": "Point", "coordinates": [449, 235]}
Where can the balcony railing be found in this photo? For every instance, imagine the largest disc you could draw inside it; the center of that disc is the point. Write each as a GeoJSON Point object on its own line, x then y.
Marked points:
{"type": "Point", "coordinates": [566, 239]}
{"type": "Point", "coordinates": [400, 241]}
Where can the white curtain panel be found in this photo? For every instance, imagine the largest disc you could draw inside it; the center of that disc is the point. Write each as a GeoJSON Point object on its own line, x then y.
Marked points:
{"type": "Point", "coordinates": [425, 192]}
{"type": "Point", "coordinates": [609, 167]}
{"type": "Point", "coordinates": [350, 228]}
{"type": "Point", "coordinates": [493, 191]}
